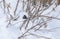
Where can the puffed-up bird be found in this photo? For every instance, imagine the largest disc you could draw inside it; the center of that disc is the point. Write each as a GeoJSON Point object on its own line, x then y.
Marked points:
{"type": "Point", "coordinates": [24, 17]}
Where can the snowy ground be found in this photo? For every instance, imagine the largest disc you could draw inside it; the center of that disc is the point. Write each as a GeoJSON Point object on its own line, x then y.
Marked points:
{"type": "Point", "coordinates": [13, 32]}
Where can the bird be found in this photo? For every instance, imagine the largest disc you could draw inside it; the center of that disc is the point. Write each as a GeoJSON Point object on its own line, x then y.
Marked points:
{"type": "Point", "coordinates": [24, 17]}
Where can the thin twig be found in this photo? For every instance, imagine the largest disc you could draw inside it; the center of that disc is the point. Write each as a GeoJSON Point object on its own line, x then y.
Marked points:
{"type": "Point", "coordinates": [38, 36]}
{"type": "Point", "coordinates": [16, 7]}
{"type": "Point", "coordinates": [4, 5]}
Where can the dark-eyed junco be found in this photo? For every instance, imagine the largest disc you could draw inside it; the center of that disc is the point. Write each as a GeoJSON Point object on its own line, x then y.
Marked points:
{"type": "Point", "coordinates": [24, 17]}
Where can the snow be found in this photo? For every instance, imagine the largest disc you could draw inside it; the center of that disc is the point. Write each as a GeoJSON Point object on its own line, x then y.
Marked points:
{"type": "Point", "coordinates": [13, 32]}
